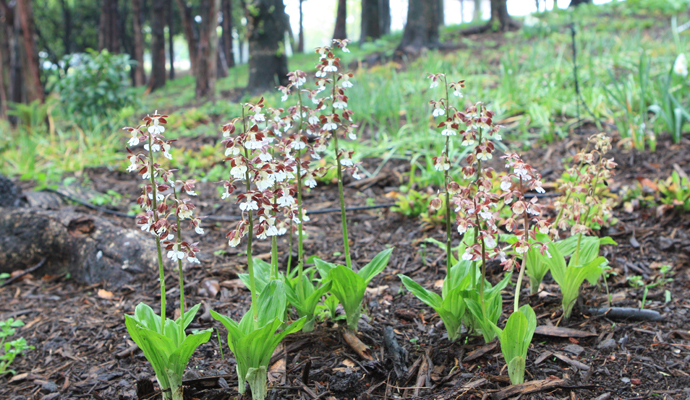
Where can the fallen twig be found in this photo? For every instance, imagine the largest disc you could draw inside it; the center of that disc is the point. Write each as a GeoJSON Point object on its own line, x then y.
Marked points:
{"type": "Point", "coordinates": [360, 348]}
{"type": "Point", "coordinates": [25, 272]}
{"type": "Point", "coordinates": [529, 387]}
{"type": "Point", "coordinates": [627, 313]}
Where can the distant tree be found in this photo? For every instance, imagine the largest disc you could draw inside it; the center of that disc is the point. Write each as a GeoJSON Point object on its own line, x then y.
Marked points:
{"type": "Point", "coordinates": [32, 75]}
{"type": "Point", "coordinates": [109, 34]}
{"type": "Point", "coordinates": [371, 23]}
{"type": "Point", "coordinates": [477, 12]}
{"type": "Point", "coordinates": [188, 29]}
{"type": "Point", "coordinates": [157, 79]}
{"type": "Point", "coordinates": [266, 26]}
{"type": "Point", "coordinates": [385, 16]}
{"type": "Point", "coordinates": [227, 39]}
{"type": "Point", "coordinates": [300, 35]}
{"type": "Point", "coordinates": [422, 25]}
{"type": "Point", "coordinates": [171, 34]}
{"type": "Point", "coordinates": [340, 31]}
{"type": "Point", "coordinates": [575, 3]}
{"type": "Point", "coordinates": [138, 56]}
{"type": "Point", "coordinates": [500, 20]}
{"type": "Point", "coordinates": [207, 52]}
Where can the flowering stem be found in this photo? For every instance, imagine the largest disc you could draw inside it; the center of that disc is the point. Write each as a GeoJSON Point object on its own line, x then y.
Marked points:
{"type": "Point", "coordinates": [449, 263]}
{"type": "Point", "coordinates": [346, 244]}
{"type": "Point", "coordinates": [300, 232]}
{"type": "Point", "coordinates": [518, 286]}
{"type": "Point", "coordinates": [584, 220]}
{"type": "Point", "coordinates": [274, 240]}
{"type": "Point", "coordinates": [250, 261]}
{"type": "Point", "coordinates": [179, 264]}
{"type": "Point", "coordinates": [161, 270]}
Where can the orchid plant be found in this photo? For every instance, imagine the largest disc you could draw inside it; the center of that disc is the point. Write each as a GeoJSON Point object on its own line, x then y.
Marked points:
{"type": "Point", "coordinates": [263, 166]}
{"type": "Point", "coordinates": [333, 118]}
{"type": "Point", "coordinates": [164, 341]}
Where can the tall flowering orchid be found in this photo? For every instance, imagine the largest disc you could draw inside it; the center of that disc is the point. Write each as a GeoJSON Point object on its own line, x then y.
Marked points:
{"type": "Point", "coordinates": [162, 340]}
{"type": "Point", "coordinates": [260, 162]}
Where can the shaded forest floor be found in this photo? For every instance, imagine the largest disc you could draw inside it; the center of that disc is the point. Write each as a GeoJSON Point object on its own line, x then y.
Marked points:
{"type": "Point", "coordinates": [82, 349]}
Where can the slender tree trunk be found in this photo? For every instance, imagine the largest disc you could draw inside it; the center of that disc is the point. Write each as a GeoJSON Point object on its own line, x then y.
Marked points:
{"type": "Point", "coordinates": [139, 75]}
{"type": "Point", "coordinates": [462, 11]}
{"type": "Point", "coordinates": [208, 46]}
{"type": "Point", "coordinates": [421, 30]}
{"type": "Point", "coordinates": [109, 35]}
{"type": "Point", "coordinates": [371, 29]}
{"type": "Point", "coordinates": [14, 30]}
{"type": "Point", "coordinates": [4, 64]}
{"type": "Point", "coordinates": [500, 20]}
{"type": "Point", "coordinates": [340, 31]}
{"type": "Point", "coordinates": [385, 16]}
{"type": "Point", "coordinates": [186, 17]}
{"type": "Point", "coordinates": [300, 39]}
{"type": "Point", "coordinates": [226, 8]}
{"type": "Point", "coordinates": [171, 34]}
{"type": "Point", "coordinates": [477, 13]}
{"type": "Point", "coordinates": [221, 62]}
{"type": "Point", "coordinates": [267, 59]}
{"type": "Point", "coordinates": [32, 77]}
{"type": "Point", "coordinates": [441, 13]}
{"type": "Point", "coordinates": [157, 45]}
{"type": "Point", "coordinates": [67, 32]}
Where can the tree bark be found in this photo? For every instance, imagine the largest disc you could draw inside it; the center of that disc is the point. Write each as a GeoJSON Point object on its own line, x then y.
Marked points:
{"type": "Point", "coordinates": [67, 34]}
{"type": "Point", "coordinates": [207, 52]}
{"type": "Point", "coordinates": [139, 75]}
{"type": "Point", "coordinates": [500, 20]}
{"type": "Point", "coordinates": [157, 45]}
{"type": "Point", "coordinates": [441, 13]}
{"type": "Point", "coordinates": [266, 33]}
{"type": "Point", "coordinates": [340, 31]}
{"type": "Point", "coordinates": [477, 12]}
{"type": "Point", "coordinates": [421, 30]}
{"type": "Point", "coordinates": [186, 17]}
{"type": "Point", "coordinates": [371, 29]}
{"type": "Point", "coordinates": [171, 33]}
{"type": "Point", "coordinates": [300, 39]}
{"type": "Point", "coordinates": [5, 15]}
{"type": "Point", "coordinates": [32, 77]}
{"type": "Point", "coordinates": [109, 35]}
{"type": "Point", "coordinates": [575, 3]}
{"type": "Point", "coordinates": [226, 9]}
{"type": "Point", "coordinates": [385, 16]}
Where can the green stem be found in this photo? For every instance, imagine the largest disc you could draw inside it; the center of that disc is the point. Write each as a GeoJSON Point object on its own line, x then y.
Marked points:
{"type": "Point", "coordinates": [250, 233]}
{"type": "Point", "coordinates": [300, 232]}
{"type": "Point", "coordinates": [154, 203]}
{"type": "Point", "coordinates": [516, 305]}
{"type": "Point", "coordinates": [343, 219]}
{"type": "Point", "coordinates": [179, 266]}
{"type": "Point", "coordinates": [446, 180]}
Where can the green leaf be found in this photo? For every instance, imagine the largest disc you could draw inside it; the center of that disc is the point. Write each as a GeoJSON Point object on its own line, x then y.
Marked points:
{"type": "Point", "coordinates": [262, 275]}
{"type": "Point", "coordinates": [324, 267]}
{"type": "Point", "coordinates": [349, 288]}
{"type": "Point", "coordinates": [515, 340]}
{"type": "Point", "coordinates": [536, 267]}
{"type": "Point", "coordinates": [428, 297]}
{"type": "Point", "coordinates": [272, 303]}
{"type": "Point", "coordinates": [376, 265]}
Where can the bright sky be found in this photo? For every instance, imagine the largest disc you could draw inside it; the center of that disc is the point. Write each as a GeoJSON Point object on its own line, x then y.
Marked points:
{"type": "Point", "coordinates": [319, 15]}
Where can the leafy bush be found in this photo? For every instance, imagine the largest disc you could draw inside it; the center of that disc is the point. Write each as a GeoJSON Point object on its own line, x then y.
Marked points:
{"type": "Point", "coordinates": [96, 82]}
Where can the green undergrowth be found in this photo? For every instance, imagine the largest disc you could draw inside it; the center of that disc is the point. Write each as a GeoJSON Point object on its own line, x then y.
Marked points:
{"type": "Point", "coordinates": [526, 77]}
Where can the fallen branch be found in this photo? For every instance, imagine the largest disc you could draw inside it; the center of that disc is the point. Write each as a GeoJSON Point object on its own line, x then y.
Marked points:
{"type": "Point", "coordinates": [360, 348]}
{"type": "Point", "coordinates": [627, 313]}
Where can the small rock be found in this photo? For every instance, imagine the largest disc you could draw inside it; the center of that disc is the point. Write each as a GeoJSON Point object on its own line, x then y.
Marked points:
{"type": "Point", "coordinates": [625, 380]}
{"type": "Point", "coordinates": [608, 344]}
{"type": "Point", "coordinates": [574, 349]}
{"type": "Point", "coordinates": [634, 243]}
{"type": "Point", "coordinates": [51, 396]}
{"type": "Point", "coordinates": [665, 243]}
{"type": "Point", "coordinates": [49, 387]}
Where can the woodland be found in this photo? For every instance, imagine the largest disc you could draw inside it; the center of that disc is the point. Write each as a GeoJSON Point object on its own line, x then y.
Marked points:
{"type": "Point", "coordinates": [344, 199]}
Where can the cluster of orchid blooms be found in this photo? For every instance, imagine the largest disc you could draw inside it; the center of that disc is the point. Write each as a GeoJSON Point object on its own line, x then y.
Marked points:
{"type": "Point", "coordinates": [160, 199]}
{"type": "Point", "coordinates": [270, 156]}
{"type": "Point", "coordinates": [591, 169]}
{"type": "Point", "coordinates": [476, 205]}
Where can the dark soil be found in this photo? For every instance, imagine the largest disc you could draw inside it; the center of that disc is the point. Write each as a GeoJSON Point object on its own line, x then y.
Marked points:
{"type": "Point", "coordinates": [82, 349]}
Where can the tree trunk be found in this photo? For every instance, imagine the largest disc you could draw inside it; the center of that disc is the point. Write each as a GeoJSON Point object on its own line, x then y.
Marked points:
{"type": "Point", "coordinates": [371, 29]}
{"type": "Point", "coordinates": [186, 17]}
{"type": "Point", "coordinates": [32, 77]}
{"type": "Point", "coordinates": [477, 12]}
{"type": "Point", "coordinates": [67, 33]}
{"type": "Point", "coordinates": [5, 34]}
{"type": "Point", "coordinates": [139, 75]}
{"type": "Point", "coordinates": [385, 16]}
{"type": "Point", "coordinates": [340, 31]}
{"type": "Point", "coordinates": [575, 3]}
{"type": "Point", "coordinates": [300, 38]}
{"type": "Point", "coordinates": [441, 13]}
{"type": "Point", "coordinates": [157, 45]}
{"type": "Point", "coordinates": [221, 63]}
{"type": "Point", "coordinates": [500, 20]}
{"type": "Point", "coordinates": [226, 8]}
{"type": "Point", "coordinates": [171, 34]}
{"type": "Point", "coordinates": [266, 31]}
{"type": "Point", "coordinates": [421, 30]}
{"type": "Point", "coordinates": [109, 35]}
{"type": "Point", "coordinates": [207, 52]}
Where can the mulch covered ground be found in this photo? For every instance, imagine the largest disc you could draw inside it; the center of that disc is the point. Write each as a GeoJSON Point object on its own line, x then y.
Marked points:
{"type": "Point", "coordinates": [82, 349]}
